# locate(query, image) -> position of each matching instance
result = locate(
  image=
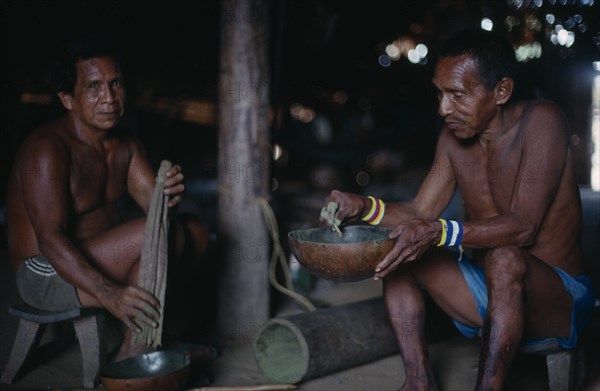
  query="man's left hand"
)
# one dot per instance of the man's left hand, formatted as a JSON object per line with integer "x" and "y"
{"x": 413, "y": 238}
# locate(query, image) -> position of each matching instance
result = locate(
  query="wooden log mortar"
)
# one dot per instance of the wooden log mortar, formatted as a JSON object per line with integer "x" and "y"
{"x": 303, "y": 346}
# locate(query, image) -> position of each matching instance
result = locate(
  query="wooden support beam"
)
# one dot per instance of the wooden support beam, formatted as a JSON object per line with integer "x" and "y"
{"x": 244, "y": 167}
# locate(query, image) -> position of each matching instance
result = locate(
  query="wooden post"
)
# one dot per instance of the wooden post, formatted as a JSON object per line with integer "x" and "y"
{"x": 244, "y": 168}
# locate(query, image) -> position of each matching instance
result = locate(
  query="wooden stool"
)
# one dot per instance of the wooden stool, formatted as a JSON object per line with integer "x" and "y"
{"x": 88, "y": 328}
{"x": 566, "y": 368}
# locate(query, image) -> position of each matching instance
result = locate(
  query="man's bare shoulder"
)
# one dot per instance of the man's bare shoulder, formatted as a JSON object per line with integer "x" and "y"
{"x": 45, "y": 142}
{"x": 541, "y": 112}
{"x": 540, "y": 122}
{"x": 542, "y": 107}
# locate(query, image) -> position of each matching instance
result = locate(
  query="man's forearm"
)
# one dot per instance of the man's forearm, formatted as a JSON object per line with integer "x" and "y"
{"x": 501, "y": 230}
{"x": 398, "y": 213}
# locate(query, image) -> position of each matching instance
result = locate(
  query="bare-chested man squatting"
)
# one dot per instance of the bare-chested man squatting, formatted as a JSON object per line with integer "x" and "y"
{"x": 519, "y": 280}
{"x": 68, "y": 243}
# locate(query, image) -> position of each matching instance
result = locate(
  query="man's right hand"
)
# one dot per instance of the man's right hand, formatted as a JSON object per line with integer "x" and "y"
{"x": 350, "y": 206}
{"x": 132, "y": 305}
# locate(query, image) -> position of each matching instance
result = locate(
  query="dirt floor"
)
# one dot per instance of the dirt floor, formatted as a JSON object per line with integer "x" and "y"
{"x": 454, "y": 358}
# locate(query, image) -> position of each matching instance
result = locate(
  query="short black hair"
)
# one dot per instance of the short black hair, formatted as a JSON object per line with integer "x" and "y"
{"x": 63, "y": 73}
{"x": 492, "y": 53}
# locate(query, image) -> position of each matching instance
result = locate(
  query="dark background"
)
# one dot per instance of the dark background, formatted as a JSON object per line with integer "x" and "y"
{"x": 382, "y": 125}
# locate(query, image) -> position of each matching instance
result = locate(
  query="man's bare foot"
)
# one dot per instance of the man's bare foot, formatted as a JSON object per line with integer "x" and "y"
{"x": 423, "y": 387}
{"x": 417, "y": 383}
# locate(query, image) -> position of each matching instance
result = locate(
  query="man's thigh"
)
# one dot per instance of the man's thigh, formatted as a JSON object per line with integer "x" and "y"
{"x": 547, "y": 303}
{"x": 117, "y": 250}
{"x": 439, "y": 274}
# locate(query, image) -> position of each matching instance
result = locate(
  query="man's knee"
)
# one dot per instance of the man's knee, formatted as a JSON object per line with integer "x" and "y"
{"x": 135, "y": 238}
{"x": 425, "y": 271}
{"x": 190, "y": 236}
{"x": 505, "y": 266}
{"x": 403, "y": 276}
{"x": 138, "y": 227}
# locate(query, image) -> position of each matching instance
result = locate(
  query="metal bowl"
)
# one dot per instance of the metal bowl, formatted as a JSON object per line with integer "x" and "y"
{"x": 352, "y": 257}
{"x": 162, "y": 370}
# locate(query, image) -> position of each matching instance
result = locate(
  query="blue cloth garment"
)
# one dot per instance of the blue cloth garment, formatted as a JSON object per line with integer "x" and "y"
{"x": 579, "y": 287}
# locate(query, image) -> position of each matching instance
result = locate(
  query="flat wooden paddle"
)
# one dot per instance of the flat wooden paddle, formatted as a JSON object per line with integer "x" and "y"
{"x": 264, "y": 387}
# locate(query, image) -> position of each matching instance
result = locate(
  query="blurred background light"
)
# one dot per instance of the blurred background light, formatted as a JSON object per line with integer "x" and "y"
{"x": 403, "y": 47}
{"x": 422, "y": 50}
{"x": 340, "y": 97}
{"x": 528, "y": 51}
{"x": 277, "y": 151}
{"x": 510, "y": 22}
{"x": 392, "y": 51}
{"x": 562, "y": 36}
{"x": 384, "y": 60}
{"x": 362, "y": 178}
{"x": 413, "y": 56}
{"x": 487, "y": 24}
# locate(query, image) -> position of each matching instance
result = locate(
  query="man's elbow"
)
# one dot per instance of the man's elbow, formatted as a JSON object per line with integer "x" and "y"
{"x": 46, "y": 243}
{"x": 48, "y": 240}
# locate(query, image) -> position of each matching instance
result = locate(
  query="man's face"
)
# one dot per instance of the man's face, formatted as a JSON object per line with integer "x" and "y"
{"x": 464, "y": 102}
{"x": 99, "y": 96}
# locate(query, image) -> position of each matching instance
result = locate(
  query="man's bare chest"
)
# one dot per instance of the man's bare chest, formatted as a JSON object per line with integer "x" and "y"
{"x": 487, "y": 181}
{"x": 97, "y": 178}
